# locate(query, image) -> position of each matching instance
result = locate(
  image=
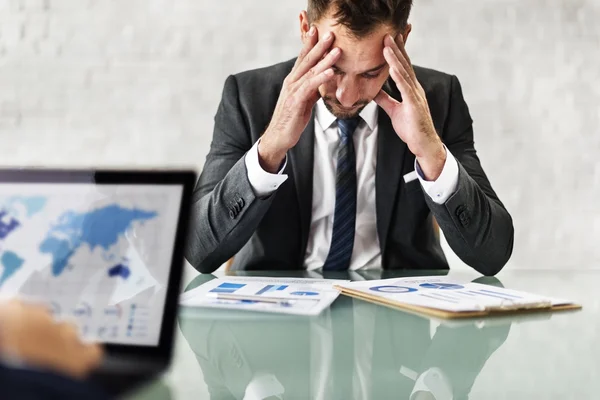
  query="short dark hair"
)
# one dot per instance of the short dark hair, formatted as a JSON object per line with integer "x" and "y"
{"x": 361, "y": 17}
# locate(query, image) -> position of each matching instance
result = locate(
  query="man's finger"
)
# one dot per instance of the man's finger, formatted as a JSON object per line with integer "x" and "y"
{"x": 399, "y": 42}
{"x": 326, "y": 62}
{"x": 397, "y": 47}
{"x": 399, "y": 74}
{"x": 308, "y": 45}
{"x": 309, "y": 88}
{"x": 408, "y": 65}
{"x": 313, "y": 57}
{"x": 386, "y": 102}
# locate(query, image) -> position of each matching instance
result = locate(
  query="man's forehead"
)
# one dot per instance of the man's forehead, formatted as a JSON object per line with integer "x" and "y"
{"x": 360, "y": 55}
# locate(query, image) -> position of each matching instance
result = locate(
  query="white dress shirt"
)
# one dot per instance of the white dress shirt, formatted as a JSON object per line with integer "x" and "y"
{"x": 366, "y": 252}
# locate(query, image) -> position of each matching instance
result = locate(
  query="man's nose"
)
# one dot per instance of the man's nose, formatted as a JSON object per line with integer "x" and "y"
{"x": 347, "y": 92}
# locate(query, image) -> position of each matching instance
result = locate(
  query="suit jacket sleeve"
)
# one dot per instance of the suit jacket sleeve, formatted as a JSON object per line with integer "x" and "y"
{"x": 475, "y": 223}
{"x": 225, "y": 209}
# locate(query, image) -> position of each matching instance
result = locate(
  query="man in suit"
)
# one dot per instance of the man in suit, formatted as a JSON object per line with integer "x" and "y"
{"x": 342, "y": 158}
{"x": 44, "y": 359}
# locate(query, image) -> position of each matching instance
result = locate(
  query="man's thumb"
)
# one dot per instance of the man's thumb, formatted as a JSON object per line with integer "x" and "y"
{"x": 385, "y": 101}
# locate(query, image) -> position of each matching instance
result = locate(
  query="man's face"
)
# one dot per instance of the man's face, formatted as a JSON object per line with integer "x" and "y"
{"x": 360, "y": 72}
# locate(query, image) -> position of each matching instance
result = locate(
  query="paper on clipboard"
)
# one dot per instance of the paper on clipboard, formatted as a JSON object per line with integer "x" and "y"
{"x": 447, "y": 298}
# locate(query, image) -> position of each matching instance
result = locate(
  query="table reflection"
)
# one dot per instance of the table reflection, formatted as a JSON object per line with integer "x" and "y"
{"x": 353, "y": 350}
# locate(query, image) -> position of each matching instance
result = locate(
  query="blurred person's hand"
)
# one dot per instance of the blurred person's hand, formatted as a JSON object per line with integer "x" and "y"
{"x": 30, "y": 333}
{"x": 297, "y": 98}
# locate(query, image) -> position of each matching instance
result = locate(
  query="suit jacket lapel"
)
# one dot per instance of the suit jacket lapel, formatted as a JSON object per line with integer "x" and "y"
{"x": 302, "y": 159}
{"x": 391, "y": 152}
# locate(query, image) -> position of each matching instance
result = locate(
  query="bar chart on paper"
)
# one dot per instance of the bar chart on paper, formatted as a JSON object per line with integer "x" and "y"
{"x": 272, "y": 288}
{"x": 275, "y": 295}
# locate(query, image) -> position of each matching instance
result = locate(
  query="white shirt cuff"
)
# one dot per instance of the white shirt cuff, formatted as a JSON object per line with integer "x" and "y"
{"x": 433, "y": 381}
{"x": 441, "y": 189}
{"x": 263, "y": 386}
{"x": 263, "y": 183}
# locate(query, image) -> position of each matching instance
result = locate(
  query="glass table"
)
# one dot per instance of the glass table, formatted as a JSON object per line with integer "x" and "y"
{"x": 358, "y": 350}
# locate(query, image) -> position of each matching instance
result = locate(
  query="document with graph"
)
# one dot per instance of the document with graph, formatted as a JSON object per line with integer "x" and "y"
{"x": 299, "y": 296}
{"x": 448, "y": 298}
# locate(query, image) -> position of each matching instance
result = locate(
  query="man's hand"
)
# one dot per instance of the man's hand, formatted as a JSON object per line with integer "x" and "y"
{"x": 411, "y": 118}
{"x": 297, "y": 98}
{"x": 30, "y": 333}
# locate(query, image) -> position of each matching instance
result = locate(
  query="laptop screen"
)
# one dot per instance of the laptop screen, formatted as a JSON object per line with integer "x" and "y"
{"x": 99, "y": 255}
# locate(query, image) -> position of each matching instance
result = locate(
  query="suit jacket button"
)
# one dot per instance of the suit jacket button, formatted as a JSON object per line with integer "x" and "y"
{"x": 462, "y": 212}
{"x": 232, "y": 214}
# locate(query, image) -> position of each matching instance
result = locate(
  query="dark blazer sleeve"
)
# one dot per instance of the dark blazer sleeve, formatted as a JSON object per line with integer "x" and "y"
{"x": 225, "y": 209}
{"x": 24, "y": 384}
{"x": 475, "y": 223}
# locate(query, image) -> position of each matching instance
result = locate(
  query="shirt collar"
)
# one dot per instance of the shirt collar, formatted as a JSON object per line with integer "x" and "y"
{"x": 325, "y": 118}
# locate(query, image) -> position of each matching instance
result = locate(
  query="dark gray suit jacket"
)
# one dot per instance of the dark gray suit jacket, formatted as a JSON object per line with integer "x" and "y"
{"x": 272, "y": 233}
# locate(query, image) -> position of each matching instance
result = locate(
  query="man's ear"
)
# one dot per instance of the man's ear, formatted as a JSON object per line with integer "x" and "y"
{"x": 406, "y": 32}
{"x": 304, "y": 25}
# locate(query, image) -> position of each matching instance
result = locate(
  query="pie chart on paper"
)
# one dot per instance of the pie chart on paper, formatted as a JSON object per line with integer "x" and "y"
{"x": 442, "y": 286}
{"x": 393, "y": 289}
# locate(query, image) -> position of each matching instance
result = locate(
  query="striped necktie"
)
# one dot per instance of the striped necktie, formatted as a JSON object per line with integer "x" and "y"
{"x": 344, "y": 217}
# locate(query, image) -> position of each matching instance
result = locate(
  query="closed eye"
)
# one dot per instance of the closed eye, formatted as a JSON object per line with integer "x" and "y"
{"x": 371, "y": 75}
{"x": 337, "y": 71}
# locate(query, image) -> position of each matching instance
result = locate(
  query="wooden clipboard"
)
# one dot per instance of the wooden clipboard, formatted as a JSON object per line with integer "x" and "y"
{"x": 443, "y": 314}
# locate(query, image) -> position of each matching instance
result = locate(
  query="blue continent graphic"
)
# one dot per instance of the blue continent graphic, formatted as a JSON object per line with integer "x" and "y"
{"x": 33, "y": 204}
{"x": 11, "y": 219}
{"x": 98, "y": 228}
{"x": 9, "y": 216}
{"x": 7, "y": 224}
{"x": 11, "y": 263}
{"x": 119, "y": 270}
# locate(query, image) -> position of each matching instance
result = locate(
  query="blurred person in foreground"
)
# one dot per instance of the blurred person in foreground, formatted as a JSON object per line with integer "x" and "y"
{"x": 343, "y": 157}
{"x": 43, "y": 359}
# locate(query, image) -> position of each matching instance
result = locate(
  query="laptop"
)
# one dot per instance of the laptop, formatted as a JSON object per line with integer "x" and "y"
{"x": 104, "y": 249}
